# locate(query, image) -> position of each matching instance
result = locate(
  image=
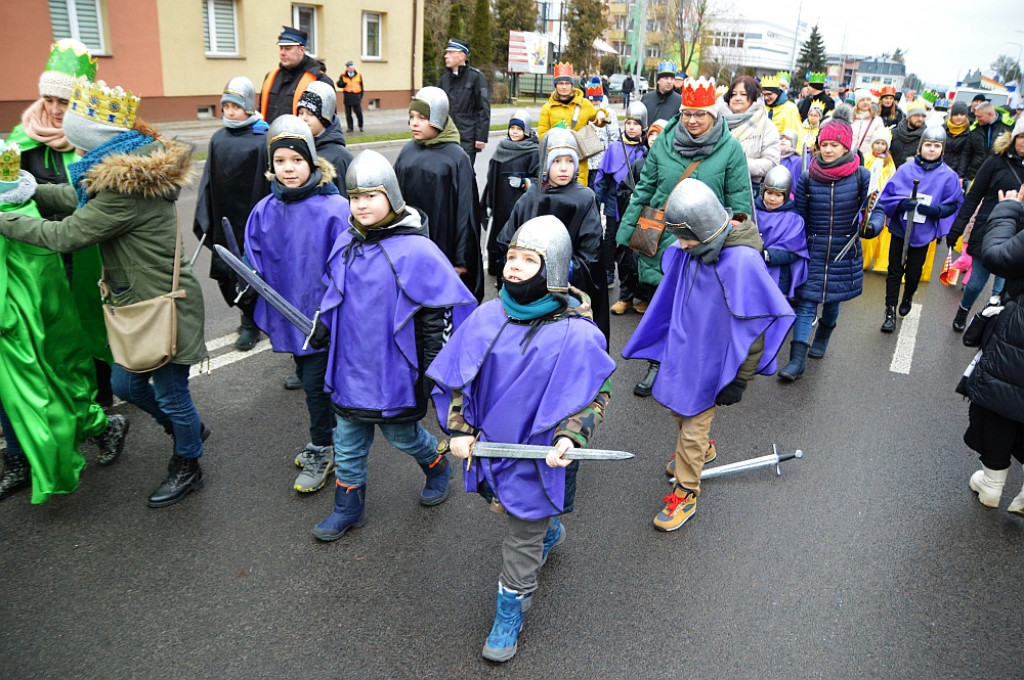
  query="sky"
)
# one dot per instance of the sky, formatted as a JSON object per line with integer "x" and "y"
{"x": 942, "y": 39}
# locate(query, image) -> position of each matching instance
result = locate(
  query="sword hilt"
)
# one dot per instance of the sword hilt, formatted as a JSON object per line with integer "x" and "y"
{"x": 783, "y": 457}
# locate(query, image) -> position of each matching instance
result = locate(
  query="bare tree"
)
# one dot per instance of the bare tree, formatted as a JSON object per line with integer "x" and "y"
{"x": 692, "y": 21}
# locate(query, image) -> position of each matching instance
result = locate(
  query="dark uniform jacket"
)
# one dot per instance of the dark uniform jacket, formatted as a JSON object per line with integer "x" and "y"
{"x": 469, "y": 104}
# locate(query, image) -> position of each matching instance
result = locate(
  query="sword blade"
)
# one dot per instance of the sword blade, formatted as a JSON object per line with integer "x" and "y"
{"x": 199, "y": 246}
{"x": 273, "y": 298}
{"x": 499, "y": 450}
{"x": 751, "y": 464}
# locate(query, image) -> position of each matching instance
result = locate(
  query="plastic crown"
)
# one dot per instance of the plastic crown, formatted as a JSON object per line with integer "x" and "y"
{"x": 563, "y": 69}
{"x": 666, "y": 66}
{"x": 816, "y": 77}
{"x": 784, "y": 77}
{"x": 72, "y": 58}
{"x": 10, "y": 162}
{"x": 929, "y": 96}
{"x": 771, "y": 81}
{"x": 97, "y": 102}
{"x": 595, "y": 89}
{"x": 699, "y": 94}
{"x": 888, "y": 89}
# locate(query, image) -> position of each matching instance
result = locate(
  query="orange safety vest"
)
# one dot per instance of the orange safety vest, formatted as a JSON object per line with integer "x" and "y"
{"x": 353, "y": 85}
{"x": 300, "y": 87}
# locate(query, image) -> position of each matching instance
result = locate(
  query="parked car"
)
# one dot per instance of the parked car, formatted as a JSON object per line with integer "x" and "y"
{"x": 616, "y": 80}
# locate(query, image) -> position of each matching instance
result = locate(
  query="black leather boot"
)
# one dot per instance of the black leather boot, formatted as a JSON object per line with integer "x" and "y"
{"x": 183, "y": 476}
{"x": 644, "y": 387}
{"x": 16, "y": 475}
{"x": 960, "y": 320}
{"x": 248, "y": 334}
{"x": 889, "y": 325}
{"x": 905, "y": 304}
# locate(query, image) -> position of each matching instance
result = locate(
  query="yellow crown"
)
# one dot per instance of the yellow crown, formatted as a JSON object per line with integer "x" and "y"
{"x": 10, "y": 162}
{"x": 770, "y": 81}
{"x": 102, "y": 104}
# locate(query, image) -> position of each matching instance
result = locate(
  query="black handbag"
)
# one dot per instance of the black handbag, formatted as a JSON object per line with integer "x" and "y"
{"x": 983, "y": 324}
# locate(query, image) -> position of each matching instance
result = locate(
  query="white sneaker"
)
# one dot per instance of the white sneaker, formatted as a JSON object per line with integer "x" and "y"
{"x": 1017, "y": 504}
{"x": 988, "y": 484}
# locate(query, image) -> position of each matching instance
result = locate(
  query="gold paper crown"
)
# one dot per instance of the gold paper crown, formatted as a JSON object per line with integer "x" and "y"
{"x": 699, "y": 94}
{"x": 102, "y": 104}
{"x": 770, "y": 81}
{"x": 563, "y": 69}
{"x": 819, "y": 105}
{"x": 10, "y": 162}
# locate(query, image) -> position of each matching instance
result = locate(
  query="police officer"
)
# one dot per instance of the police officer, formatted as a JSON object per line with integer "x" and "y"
{"x": 469, "y": 100}
{"x": 352, "y": 85}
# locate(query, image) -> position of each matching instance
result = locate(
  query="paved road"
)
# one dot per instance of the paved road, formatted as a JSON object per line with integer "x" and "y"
{"x": 869, "y": 558}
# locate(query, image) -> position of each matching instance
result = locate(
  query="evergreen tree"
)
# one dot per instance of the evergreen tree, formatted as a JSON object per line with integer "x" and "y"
{"x": 511, "y": 15}
{"x": 456, "y": 24}
{"x": 812, "y": 55}
{"x": 584, "y": 21}
{"x": 481, "y": 43}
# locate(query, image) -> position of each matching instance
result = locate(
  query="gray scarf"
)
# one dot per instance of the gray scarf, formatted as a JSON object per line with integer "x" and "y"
{"x": 688, "y": 147}
{"x": 235, "y": 124}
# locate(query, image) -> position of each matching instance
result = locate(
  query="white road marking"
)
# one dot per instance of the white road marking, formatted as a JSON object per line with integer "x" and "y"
{"x": 904, "y": 354}
{"x": 227, "y": 358}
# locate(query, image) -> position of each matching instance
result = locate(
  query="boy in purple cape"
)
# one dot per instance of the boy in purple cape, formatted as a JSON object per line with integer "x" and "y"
{"x": 392, "y": 298}
{"x": 530, "y": 368}
{"x": 287, "y": 240}
{"x": 782, "y": 230}
{"x": 934, "y": 211}
{"x": 716, "y": 320}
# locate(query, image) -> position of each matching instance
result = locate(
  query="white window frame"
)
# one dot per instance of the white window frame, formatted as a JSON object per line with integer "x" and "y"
{"x": 211, "y": 27}
{"x": 380, "y": 36}
{"x": 312, "y": 43}
{"x": 72, "y": 9}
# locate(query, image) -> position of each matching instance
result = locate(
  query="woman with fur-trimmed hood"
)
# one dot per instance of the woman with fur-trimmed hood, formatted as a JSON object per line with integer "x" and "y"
{"x": 122, "y": 197}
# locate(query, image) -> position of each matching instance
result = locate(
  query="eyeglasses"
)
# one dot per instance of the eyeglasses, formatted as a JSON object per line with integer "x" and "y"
{"x": 694, "y": 115}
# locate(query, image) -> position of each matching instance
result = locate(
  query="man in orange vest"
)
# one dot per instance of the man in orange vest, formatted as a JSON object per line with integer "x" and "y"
{"x": 283, "y": 87}
{"x": 352, "y": 85}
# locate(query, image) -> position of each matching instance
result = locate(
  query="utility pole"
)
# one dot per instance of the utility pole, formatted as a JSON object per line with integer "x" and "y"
{"x": 796, "y": 38}
{"x": 641, "y": 57}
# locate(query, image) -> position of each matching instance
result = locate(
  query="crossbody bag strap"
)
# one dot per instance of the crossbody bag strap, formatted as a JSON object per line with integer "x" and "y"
{"x": 686, "y": 173}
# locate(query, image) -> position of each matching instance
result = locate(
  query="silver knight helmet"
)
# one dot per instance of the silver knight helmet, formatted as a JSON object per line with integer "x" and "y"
{"x": 778, "y": 179}
{"x": 933, "y": 133}
{"x": 637, "y": 112}
{"x": 557, "y": 142}
{"x": 328, "y": 99}
{"x": 240, "y": 91}
{"x": 437, "y": 101}
{"x": 693, "y": 211}
{"x": 521, "y": 117}
{"x": 291, "y": 127}
{"x": 370, "y": 171}
{"x": 548, "y": 237}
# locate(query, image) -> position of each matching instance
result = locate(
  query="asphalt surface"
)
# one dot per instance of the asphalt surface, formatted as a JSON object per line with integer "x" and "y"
{"x": 868, "y": 558}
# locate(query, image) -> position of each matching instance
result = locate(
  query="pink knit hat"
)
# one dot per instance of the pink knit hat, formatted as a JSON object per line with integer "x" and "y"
{"x": 838, "y": 128}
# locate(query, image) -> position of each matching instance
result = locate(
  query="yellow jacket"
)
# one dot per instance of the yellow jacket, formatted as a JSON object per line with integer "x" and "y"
{"x": 556, "y": 111}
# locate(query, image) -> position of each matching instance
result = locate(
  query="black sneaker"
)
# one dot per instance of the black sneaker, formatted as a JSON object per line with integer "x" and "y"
{"x": 111, "y": 440}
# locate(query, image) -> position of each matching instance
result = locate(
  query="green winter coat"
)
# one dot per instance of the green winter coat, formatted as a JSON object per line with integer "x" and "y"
{"x": 47, "y": 378}
{"x": 130, "y": 214}
{"x": 724, "y": 171}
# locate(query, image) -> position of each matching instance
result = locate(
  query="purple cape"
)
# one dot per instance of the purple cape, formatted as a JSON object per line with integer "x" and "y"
{"x": 374, "y": 289}
{"x": 288, "y": 245}
{"x": 519, "y": 397}
{"x": 784, "y": 229}
{"x": 703, "y": 320}
{"x": 942, "y": 184}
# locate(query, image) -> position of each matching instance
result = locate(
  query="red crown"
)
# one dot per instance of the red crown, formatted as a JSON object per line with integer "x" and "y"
{"x": 699, "y": 94}
{"x": 563, "y": 69}
{"x": 594, "y": 89}
{"x": 888, "y": 89}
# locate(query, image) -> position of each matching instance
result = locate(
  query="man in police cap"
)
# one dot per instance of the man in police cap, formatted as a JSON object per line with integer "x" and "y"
{"x": 283, "y": 86}
{"x": 469, "y": 98}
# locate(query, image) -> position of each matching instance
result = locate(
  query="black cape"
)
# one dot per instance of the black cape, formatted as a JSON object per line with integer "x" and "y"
{"x": 500, "y": 195}
{"x": 331, "y": 146}
{"x": 233, "y": 182}
{"x": 439, "y": 180}
{"x": 576, "y": 207}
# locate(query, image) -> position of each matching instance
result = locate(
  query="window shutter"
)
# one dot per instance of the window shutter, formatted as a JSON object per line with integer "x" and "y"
{"x": 224, "y": 23}
{"x": 206, "y": 25}
{"x": 89, "y": 30}
{"x": 59, "y": 20}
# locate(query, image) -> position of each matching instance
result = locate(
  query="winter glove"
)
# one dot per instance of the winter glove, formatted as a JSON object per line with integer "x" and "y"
{"x": 947, "y": 209}
{"x": 930, "y": 210}
{"x": 951, "y": 240}
{"x": 321, "y": 337}
{"x": 731, "y": 393}
{"x": 906, "y": 205}
{"x": 875, "y": 224}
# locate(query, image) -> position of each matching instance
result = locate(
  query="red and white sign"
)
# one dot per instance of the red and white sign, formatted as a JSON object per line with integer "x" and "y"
{"x": 527, "y": 52}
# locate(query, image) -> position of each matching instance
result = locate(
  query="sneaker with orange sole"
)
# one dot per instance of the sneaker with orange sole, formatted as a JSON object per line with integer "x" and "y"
{"x": 679, "y": 507}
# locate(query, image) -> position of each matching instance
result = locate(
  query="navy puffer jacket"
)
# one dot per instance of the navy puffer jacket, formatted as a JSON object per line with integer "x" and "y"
{"x": 829, "y": 210}
{"x": 997, "y": 382}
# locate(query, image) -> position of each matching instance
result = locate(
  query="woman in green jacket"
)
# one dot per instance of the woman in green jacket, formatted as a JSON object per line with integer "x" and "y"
{"x": 697, "y": 135}
{"x": 122, "y": 197}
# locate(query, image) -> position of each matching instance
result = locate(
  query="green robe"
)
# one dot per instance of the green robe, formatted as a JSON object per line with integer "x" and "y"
{"x": 47, "y": 377}
{"x": 87, "y": 269}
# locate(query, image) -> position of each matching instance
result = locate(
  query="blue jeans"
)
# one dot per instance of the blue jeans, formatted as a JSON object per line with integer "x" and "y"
{"x": 164, "y": 394}
{"x": 979, "y": 277}
{"x": 806, "y": 311}
{"x": 13, "y": 447}
{"x": 352, "y": 443}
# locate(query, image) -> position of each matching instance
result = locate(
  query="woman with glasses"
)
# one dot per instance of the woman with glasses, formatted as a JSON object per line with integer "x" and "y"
{"x": 696, "y": 143}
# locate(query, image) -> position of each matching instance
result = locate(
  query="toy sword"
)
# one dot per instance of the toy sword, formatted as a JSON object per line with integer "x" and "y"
{"x": 499, "y": 450}
{"x": 771, "y": 459}
{"x": 192, "y": 260}
{"x": 273, "y": 298}
{"x": 229, "y": 238}
{"x": 908, "y": 229}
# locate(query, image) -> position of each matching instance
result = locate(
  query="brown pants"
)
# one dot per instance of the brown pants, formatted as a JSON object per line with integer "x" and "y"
{"x": 691, "y": 448}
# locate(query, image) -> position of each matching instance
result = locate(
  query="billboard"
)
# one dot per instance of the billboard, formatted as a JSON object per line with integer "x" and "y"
{"x": 527, "y": 52}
